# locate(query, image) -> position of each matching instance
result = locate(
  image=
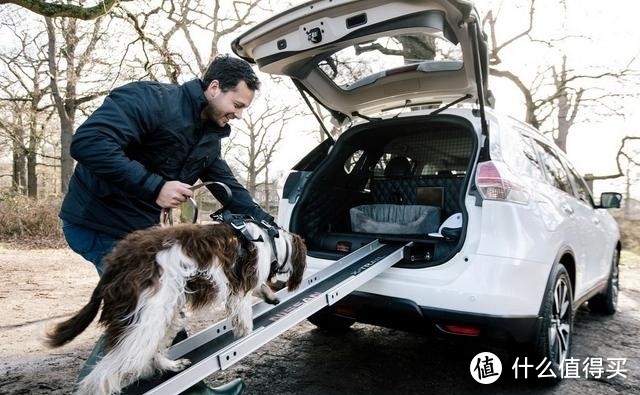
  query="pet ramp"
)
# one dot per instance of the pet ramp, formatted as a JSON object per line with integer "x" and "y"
{"x": 215, "y": 349}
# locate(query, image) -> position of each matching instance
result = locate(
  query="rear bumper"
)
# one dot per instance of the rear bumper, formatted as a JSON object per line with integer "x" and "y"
{"x": 407, "y": 315}
{"x": 471, "y": 284}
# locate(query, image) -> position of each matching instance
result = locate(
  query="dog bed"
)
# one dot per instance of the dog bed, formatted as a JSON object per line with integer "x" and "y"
{"x": 394, "y": 219}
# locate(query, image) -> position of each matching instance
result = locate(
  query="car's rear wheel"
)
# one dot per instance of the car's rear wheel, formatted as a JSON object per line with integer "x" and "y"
{"x": 326, "y": 320}
{"x": 606, "y": 303}
{"x": 553, "y": 343}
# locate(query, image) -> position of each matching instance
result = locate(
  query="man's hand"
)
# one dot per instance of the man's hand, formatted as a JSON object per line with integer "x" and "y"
{"x": 173, "y": 193}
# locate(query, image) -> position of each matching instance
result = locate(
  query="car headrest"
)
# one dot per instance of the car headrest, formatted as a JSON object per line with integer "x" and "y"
{"x": 398, "y": 166}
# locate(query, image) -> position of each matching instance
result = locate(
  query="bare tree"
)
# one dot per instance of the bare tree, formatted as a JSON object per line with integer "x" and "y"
{"x": 257, "y": 140}
{"x": 628, "y": 156}
{"x": 12, "y": 131}
{"x": 175, "y": 38}
{"x": 348, "y": 66}
{"x": 559, "y": 92}
{"x": 23, "y": 86}
{"x": 67, "y": 63}
{"x": 412, "y": 47}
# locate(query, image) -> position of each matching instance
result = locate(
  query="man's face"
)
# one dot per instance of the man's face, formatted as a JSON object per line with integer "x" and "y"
{"x": 225, "y": 106}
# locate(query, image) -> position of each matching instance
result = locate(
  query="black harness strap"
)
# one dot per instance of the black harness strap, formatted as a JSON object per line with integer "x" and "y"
{"x": 239, "y": 224}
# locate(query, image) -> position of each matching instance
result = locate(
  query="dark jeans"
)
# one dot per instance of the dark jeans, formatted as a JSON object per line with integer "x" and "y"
{"x": 90, "y": 244}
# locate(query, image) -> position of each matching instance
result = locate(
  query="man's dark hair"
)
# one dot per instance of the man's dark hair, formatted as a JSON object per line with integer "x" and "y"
{"x": 229, "y": 72}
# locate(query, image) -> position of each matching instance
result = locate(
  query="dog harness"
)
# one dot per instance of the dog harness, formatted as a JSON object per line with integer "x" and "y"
{"x": 239, "y": 224}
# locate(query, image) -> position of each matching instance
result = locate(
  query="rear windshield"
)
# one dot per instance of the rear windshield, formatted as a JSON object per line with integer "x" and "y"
{"x": 364, "y": 62}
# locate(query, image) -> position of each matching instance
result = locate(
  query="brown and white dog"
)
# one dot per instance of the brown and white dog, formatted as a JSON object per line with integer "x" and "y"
{"x": 152, "y": 274}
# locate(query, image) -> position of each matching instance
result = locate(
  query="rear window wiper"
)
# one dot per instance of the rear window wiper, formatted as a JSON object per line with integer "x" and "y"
{"x": 453, "y": 103}
{"x": 434, "y": 112}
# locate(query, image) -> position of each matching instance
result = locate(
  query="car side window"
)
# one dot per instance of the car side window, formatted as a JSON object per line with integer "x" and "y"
{"x": 582, "y": 190}
{"x": 556, "y": 174}
{"x": 530, "y": 163}
{"x": 517, "y": 152}
{"x": 352, "y": 160}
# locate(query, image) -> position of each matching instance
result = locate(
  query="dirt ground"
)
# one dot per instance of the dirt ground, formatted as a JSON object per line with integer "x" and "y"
{"x": 42, "y": 286}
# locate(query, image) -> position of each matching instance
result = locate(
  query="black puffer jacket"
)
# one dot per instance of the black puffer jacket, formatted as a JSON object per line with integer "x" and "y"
{"x": 143, "y": 135}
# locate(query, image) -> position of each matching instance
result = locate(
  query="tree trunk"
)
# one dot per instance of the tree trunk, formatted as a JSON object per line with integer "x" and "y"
{"x": 65, "y": 108}
{"x": 267, "y": 203}
{"x": 18, "y": 176}
{"x": 251, "y": 180}
{"x": 563, "y": 124}
{"x": 32, "y": 161}
{"x": 66, "y": 161}
{"x": 627, "y": 200}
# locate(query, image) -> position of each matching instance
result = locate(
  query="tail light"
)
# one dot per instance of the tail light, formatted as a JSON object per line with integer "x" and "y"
{"x": 344, "y": 311}
{"x": 464, "y": 330}
{"x": 496, "y": 182}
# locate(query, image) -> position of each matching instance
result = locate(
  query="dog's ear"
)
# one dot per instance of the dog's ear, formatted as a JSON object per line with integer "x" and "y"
{"x": 298, "y": 262}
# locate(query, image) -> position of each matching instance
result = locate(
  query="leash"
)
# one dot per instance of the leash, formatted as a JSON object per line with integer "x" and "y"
{"x": 166, "y": 216}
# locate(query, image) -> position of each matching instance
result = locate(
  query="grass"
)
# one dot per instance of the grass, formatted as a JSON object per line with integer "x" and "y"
{"x": 29, "y": 223}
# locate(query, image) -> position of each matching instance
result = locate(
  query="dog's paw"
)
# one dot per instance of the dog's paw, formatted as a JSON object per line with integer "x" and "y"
{"x": 274, "y": 301}
{"x": 241, "y": 331}
{"x": 179, "y": 365}
{"x": 163, "y": 364}
{"x": 266, "y": 293}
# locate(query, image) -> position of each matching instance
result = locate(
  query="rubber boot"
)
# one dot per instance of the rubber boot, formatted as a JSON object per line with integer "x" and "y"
{"x": 95, "y": 357}
{"x": 235, "y": 387}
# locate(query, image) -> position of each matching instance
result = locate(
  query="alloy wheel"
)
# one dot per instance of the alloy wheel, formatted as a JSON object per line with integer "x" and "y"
{"x": 560, "y": 328}
{"x": 615, "y": 279}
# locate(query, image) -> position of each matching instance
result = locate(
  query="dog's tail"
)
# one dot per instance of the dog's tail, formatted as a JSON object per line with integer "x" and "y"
{"x": 63, "y": 332}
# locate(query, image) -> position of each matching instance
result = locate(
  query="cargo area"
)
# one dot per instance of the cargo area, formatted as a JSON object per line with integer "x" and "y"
{"x": 392, "y": 180}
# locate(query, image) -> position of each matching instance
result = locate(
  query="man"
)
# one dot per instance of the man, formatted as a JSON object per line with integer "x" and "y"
{"x": 142, "y": 149}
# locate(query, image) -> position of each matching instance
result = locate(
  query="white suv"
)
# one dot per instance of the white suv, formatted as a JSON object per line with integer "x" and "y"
{"x": 503, "y": 236}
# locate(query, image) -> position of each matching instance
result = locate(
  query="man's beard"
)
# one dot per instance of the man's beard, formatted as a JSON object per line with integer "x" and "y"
{"x": 215, "y": 117}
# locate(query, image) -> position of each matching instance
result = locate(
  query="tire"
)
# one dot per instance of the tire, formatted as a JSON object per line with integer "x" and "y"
{"x": 606, "y": 302}
{"x": 553, "y": 342}
{"x": 328, "y": 321}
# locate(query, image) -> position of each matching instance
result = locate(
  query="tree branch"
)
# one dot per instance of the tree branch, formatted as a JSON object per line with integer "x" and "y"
{"x": 620, "y": 154}
{"x": 54, "y": 10}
